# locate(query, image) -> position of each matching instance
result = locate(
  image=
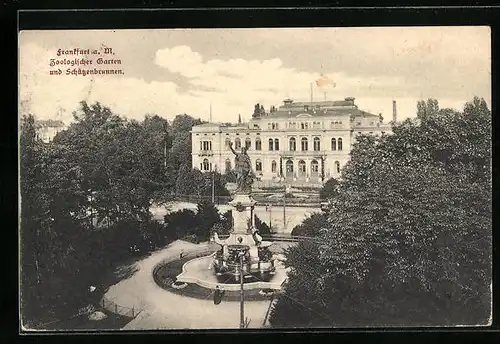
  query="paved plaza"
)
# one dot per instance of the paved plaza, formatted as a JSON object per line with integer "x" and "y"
{"x": 162, "y": 309}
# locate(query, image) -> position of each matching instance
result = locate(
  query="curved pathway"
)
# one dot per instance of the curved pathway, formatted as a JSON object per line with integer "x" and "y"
{"x": 162, "y": 309}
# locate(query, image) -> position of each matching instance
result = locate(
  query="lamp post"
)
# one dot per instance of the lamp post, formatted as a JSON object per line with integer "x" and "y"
{"x": 268, "y": 208}
{"x": 242, "y": 297}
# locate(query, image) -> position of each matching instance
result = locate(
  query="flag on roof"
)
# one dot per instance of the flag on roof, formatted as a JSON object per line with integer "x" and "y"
{"x": 324, "y": 81}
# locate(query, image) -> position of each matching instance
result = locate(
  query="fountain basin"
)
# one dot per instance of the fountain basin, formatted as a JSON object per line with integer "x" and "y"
{"x": 200, "y": 271}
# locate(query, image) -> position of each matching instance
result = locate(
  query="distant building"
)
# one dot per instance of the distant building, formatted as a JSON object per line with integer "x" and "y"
{"x": 48, "y": 129}
{"x": 303, "y": 142}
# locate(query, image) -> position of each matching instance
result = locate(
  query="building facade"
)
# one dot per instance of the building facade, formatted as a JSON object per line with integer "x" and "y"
{"x": 303, "y": 142}
{"x": 48, "y": 129}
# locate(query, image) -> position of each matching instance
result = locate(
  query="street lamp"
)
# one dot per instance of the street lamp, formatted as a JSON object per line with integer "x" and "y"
{"x": 268, "y": 208}
{"x": 242, "y": 297}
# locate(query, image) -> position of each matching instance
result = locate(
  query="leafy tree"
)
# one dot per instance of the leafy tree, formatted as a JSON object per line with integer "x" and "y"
{"x": 206, "y": 216}
{"x": 180, "y": 153}
{"x": 261, "y": 226}
{"x": 427, "y": 109}
{"x": 409, "y": 234}
{"x": 180, "y": 223}
{"x": 312, "y": 225}
{"x": 329, "y": 189}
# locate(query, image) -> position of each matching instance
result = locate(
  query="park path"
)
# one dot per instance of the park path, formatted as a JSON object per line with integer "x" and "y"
{"x": 162, "y": 309}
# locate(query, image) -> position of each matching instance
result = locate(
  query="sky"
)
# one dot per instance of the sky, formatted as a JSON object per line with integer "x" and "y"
{"x": 170, "y": 72}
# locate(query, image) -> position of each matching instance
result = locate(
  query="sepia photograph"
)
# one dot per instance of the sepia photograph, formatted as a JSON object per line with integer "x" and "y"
{"x": 256, "y": 178}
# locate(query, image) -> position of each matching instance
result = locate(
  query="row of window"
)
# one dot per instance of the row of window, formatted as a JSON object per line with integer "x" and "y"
{"x": 303, "y": 125}
{"x": 274, "y": 144}
{"x": 288, "y": 165}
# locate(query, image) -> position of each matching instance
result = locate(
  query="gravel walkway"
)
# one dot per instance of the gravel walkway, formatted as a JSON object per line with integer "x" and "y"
{"x": 165, "y": 310}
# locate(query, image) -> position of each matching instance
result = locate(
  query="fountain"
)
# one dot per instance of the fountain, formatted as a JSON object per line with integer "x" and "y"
{"x": 243, "y": 251}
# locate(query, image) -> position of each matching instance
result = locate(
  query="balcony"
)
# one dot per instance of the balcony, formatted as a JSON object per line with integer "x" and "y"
{"x": 205, "y": 153}
{"x": 308, "y": 153}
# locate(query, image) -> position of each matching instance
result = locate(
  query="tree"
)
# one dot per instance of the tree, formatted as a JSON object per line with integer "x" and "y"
{"x": 329, "y": 189}
{"x": 409, "y": 234}
{"x": 261, "y": 226}
{"x": 427, "y": 109}
{"x": 312, "y": 225}
{"x": 206, "y": 216}
{"x": 180, "y": 223}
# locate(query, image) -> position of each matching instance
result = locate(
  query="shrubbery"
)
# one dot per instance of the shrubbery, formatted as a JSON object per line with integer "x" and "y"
{"x": 408, "y": 240}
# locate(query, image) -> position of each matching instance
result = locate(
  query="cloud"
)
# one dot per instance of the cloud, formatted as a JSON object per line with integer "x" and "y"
{"x": 445, "y": 64}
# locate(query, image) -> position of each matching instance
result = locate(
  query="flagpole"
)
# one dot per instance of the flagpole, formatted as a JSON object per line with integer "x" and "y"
{"x": 311, "y": 93}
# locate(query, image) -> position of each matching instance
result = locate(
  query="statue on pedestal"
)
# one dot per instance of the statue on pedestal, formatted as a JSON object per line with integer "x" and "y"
{"x": 243, "y": 170}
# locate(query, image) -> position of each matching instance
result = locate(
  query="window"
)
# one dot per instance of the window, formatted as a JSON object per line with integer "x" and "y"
{"x": 316, "y": 143}
{"x": 302, "y": 168}
{"x": 273, "y": 167}
{"x": 248, "y": 142}
{"x": 227, "y": 142}
{"x": 271, "y": 144}
{"x": 292, "y": 125}
{"x": 340, "y": 143}
{"x": 237, "y": 143}
{"x": 276, "y": 144}
{"x": 258, "y": 144}
{"x": 317, "y": 125}
{"x": 314, "y": 167}
{"x": 304, "y": 125}
{"x": 228, "y": 165}
{"x": 258, "y": 166}
{"x": 205, "y": 165}
{"x": 337, "y": 166}
{"x": 289, "y": 168}
{"x": 206, "y": 145}
{"x": 293, "y": 146}
{"x": 269, "y": 125}
{"x": 334, "y": 144}
{"x": 306, "y": 108}
{"x": 303, "y": 144}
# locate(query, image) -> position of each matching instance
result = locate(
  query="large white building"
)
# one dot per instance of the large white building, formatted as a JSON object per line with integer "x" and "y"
{"x": 303, "y": 142}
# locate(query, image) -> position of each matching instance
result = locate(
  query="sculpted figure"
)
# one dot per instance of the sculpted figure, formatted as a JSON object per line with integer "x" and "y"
{"x": 243, "y": 169}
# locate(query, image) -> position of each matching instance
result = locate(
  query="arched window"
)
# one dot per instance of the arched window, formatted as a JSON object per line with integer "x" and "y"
{"x": 314, "y": 168}
{"x": 339, "y": 144}
{"x": 273, "y": 167}
{"x": 303, "y": 144}
{"x": 276, "y": 144}
{"x": 334, "y": 144}
{"x": 258, "y": 165}
{"x": 258, "y": 144}
{"x": 237, "y": 143}
{"x": 206, "y": 165}
{"x": 293, "y": 145}
{"x": 289, "y": 168}
{"x": 228, "y": 165}
{"x": 316, "y": 143}
{"x": 248, "y": 142}
{"x": 227, "y": 142}
{"x": 337, "y": 167}
{"x": 271, "y": 144}
{"x": 302, "y": 168}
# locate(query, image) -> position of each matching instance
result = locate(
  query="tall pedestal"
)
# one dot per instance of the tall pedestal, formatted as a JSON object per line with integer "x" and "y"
{"x": 243, "y": 222}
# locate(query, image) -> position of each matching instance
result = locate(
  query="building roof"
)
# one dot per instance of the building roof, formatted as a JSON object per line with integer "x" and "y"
{"x": 345, "y": 107}
{"x": 49, "y": 123}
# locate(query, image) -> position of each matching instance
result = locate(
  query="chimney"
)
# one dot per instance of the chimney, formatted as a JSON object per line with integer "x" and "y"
{"x": 394, "y": 111}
